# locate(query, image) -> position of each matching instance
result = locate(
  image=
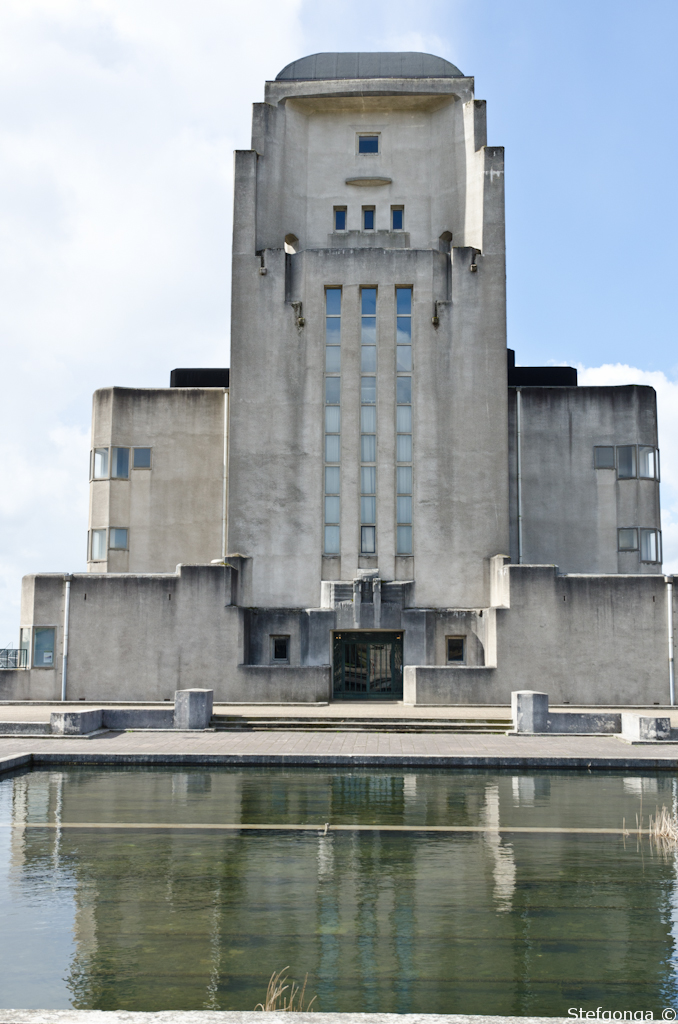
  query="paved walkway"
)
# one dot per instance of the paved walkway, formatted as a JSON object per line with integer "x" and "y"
{"x": 346, "y": 748}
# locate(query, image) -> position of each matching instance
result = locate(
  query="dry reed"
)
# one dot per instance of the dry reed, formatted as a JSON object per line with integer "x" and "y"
{"x": 276, "y": 1000}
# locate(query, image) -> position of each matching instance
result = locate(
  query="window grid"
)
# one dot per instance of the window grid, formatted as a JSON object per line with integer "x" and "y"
{"x": 368, "y": 421}
{"x": 332, "y": 439}
{"x": 403, "y": 421}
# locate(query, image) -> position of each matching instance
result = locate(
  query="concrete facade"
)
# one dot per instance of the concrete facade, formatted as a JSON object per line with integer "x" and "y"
{"x": 410, "y": 491}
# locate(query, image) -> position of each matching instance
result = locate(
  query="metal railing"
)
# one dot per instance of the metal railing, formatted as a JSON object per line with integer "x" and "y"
{"x": 13, "y": 657}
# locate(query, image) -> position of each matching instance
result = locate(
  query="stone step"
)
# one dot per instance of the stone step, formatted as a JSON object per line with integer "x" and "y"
{"x": 231, "y": 723}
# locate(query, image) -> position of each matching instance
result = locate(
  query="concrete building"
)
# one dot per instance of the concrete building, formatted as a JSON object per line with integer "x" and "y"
{"x": 377, "y": 502}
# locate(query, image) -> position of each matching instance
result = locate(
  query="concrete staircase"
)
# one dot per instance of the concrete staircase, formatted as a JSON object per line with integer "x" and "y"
{"x": 284, "y": 723}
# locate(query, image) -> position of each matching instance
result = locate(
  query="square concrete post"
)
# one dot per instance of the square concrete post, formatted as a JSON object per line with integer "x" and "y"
{"x": 193, "y": 708}
{"x": 76, "y": 723}
{"x": 644, "y": 727}
{"x": 530, "y": 710}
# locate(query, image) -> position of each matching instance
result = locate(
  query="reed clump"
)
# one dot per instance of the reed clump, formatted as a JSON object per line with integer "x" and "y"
{"x": 276, "y": 1000}
{"x": 664, "y": 828}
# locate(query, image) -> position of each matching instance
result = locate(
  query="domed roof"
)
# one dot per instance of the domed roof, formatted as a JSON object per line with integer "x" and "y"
{"x": 323, "y": 66}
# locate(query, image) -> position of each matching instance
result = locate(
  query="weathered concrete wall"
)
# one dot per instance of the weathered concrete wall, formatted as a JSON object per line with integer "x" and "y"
{"x": 572, "y": 511}
{"x": 174, "y": 510}
{"x": 581, "y": 639}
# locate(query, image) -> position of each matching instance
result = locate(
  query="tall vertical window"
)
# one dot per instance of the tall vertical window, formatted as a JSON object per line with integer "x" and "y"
{"x": 368, "y": 421}
{"x": 339, "y": 218}
{"x": 397, "y": 218}
{"x": 403, "y": 421}
{"x": 368, "y": 218}
{"x": 332, "y": 419}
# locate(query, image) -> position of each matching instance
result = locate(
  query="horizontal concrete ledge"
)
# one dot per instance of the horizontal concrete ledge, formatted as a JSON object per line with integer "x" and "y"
{"x": 250, "y": 1017}
{"x": 457, "y": 762}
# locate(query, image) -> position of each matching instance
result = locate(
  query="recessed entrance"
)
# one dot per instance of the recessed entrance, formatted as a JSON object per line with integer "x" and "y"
{"x": 368, "y": 666}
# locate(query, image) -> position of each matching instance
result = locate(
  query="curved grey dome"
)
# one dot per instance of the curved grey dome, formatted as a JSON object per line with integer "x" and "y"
{"x": 321, "y": 66}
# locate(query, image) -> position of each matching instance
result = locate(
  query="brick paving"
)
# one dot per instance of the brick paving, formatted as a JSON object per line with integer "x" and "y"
{"x": 318, "y": 747}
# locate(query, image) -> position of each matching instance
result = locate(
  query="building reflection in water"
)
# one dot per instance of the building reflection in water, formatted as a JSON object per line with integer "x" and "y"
{"x": 391, "y": 921}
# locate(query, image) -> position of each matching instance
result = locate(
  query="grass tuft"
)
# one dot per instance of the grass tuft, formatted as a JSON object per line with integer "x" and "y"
{"x": 276, "y": 1000}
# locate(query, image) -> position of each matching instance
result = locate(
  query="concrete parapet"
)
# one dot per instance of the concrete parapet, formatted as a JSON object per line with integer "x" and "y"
{"x": 25, "y": 728}
{"x": 138, "y": 718}
{"x": 193, "y": 708}
{"x": 644, "y": 727}
{"x": 76, "y": 723}
{"x": 443, "y": 684}
{"x": 578, "y": 722}
{"x": 530, "y": 711}
{"x": 257, "y": 684}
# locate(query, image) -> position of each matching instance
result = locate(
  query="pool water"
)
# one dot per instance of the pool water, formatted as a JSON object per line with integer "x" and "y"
{"x": 100, "y": 913}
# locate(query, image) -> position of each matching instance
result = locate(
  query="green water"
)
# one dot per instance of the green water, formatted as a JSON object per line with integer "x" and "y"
{"x": 479, "y": 922}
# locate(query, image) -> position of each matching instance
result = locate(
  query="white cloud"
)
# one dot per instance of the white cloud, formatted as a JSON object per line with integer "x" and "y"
{"x": 667, "y": 412}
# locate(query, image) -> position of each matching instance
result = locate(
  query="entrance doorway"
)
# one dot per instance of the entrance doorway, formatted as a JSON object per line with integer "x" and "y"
{"x": 368, "y": 666}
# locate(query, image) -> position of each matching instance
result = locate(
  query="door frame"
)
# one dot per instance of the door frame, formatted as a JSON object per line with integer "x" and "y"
{"x": 342, "y": 636}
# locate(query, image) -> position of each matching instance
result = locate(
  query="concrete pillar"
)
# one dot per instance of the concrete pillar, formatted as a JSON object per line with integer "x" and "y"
{"x": 530, "y": 710}
{"x": 193, "y": 708}
{"x": 644, "y": 727}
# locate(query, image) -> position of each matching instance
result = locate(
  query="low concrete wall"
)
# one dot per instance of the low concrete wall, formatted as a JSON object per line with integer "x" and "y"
{"x": 442, "y": 684}
{"x": 646, "y": 728}
{"x": 25, "y": 728}
{"x": 573, "y": 721}
{"x": 29, "y": 684}
{"x": 76, "y": 723}
{"x": 255, "y": 684}
{"x": 138, "y": 718}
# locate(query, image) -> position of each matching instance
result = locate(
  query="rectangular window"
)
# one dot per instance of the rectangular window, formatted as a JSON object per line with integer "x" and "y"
{"x": 332, "y": 503}
{"x": 626, "y": 461}
{"x": 332, "y": 479}
{"x": 331, "y": 540}
{"x": 367, "y": 540}
{"x": 280, "y": 649}
{"x": 368, "y": 218}
{"x": 404, "y": 419}
{"x": 142, "y": 458}
{"x": 650, "y": 546}
{"x": 332, "y": 508}
{"x": 368, "y": 448}
{"x": 25, "y": 642}
{"x": 404, "y": 448}
{"x": 603, "y": 456}
{"x": 98, "y": 553}
{"x": 368, "y": 510}
{"x": 404, "y": 509}
{"x": 404, "y": 390}
{"x": 43, "y": 647}
{"x": 455, "y": 649}
{"x": 118, "y": 539}
{"x": 397, "y": 218}
{"x": 368, "y": 419}
{"x": 647, "y": 462}
{"x": 368, "y": 390}
{"x": 119, "y": 463}
{"x": 339, "y": 218}
{"x": 368, "y": 143}
{"x": 628, "y": 539}
{"x": 100, "y": 463}
{"x": 404, "y": 540}
{"x": 404, "y": 479}
{"x": 368, "y": 479}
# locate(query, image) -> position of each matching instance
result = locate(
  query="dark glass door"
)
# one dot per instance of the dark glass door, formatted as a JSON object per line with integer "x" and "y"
{"x": 368, "y": 666}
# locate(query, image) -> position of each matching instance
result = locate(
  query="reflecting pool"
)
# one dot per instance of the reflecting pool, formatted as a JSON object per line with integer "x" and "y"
{"x": 123, "y": 889}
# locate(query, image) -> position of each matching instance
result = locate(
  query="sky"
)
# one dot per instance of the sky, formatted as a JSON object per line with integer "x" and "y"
{"x": 118, "y": 119}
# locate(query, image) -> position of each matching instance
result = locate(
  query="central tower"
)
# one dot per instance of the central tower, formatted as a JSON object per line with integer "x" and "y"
{"x": 369, "y": 398}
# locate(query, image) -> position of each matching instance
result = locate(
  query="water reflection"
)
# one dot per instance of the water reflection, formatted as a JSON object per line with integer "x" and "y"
{"x": 402, "y": 921}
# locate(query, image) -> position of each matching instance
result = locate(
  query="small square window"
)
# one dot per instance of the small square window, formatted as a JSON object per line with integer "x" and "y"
{"x": 628, "y": 539}
{"x": 368, "y": 218}
{"x": 368, "y": 143}
{"x": 603, "y": 456}
{"x": 626, "y": 461}
{"x": 142, "y": 458}
{"x": 118, "y": 539}
{"x": 100, "y": 463}
{"x": 339, "y": 218}
{"x": 368, "y": 540}
{"x": 455, "y": 649}
{"x": 98, "y": 553}
{"x": 397, "y": 218}
{"x": 280, "y": 648}
{"x": 119, "y": 463}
